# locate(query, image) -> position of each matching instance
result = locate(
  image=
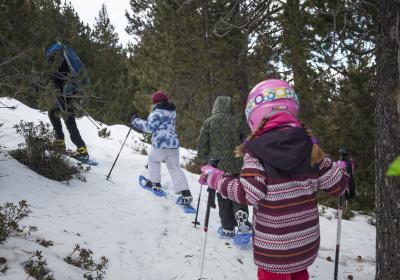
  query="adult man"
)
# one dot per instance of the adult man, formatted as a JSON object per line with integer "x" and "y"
{"x": 65, "y": 79}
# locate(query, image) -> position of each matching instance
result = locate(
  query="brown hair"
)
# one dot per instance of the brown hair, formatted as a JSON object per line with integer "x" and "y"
{"x": 239, "y": 150}
{"x": 317, "y": 153}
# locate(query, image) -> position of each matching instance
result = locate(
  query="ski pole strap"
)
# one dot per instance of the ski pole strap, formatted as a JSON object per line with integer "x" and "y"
{"x": 211, "y": 198}
{"x": 351, "y": 193}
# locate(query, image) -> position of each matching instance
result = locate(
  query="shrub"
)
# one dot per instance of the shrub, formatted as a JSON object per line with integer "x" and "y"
{"x": 36, "y": 267}
{"x": 3, "y": 265}
{"x": 44, "y": 242}
{"x": 104, "y": 133}
{"x": 41, "y": 155}
{"x": 37, "y": 140}
{"x": 10, "y": 216}
{"x": 82, "y": 258}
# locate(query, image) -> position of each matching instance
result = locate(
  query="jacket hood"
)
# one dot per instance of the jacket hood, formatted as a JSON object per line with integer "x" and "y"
{"x": 164, "y": 106}
{"x": 284, "y": 149}
{"x": 222, "y": 105}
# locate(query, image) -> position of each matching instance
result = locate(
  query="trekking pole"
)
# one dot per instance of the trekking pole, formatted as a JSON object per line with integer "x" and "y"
{"x": 109, "y": 173}
{"x": 338, "y": 235}
{"x": 342, "y": 205}
{"x": 197, "y": 210}
{"x": 210, "y": 204}
{"x": 96, "y": 124}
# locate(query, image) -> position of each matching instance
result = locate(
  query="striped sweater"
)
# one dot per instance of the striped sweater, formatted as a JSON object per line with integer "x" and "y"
{"x": 286, "y": 221}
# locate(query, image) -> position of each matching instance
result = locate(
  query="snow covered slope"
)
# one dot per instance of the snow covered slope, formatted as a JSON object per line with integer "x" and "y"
{"x": 144, "y": 236}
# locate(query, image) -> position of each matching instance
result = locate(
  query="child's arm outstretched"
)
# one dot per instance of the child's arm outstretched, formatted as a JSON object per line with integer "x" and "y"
{"x": 333, "y": 177}
{"x": 149, "y": 126}
{"x": 248, "y": 189}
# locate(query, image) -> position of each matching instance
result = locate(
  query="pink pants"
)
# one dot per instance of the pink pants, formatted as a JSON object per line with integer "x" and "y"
{"x": 265, "y": 275}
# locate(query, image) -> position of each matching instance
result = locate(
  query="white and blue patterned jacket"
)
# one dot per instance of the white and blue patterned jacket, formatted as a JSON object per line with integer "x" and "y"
{"x": 161, "y": 123}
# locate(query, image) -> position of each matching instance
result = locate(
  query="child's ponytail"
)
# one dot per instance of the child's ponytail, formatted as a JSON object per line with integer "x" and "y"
{"x": 317, "y": 154}
{"x": 239, "y": 150}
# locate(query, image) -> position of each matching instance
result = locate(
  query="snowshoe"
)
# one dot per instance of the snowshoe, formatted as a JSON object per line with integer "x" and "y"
{"x": 82, "y": 155}
{"x": 244, "y": 233}
{"x": 154, "y": 188}
{"x": 226, "y": 234}
{"x": 184, "y": 200}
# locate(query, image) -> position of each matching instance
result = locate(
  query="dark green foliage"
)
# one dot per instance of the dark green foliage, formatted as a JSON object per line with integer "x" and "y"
{"x": 179, "y": 52}
{"x": 10, "y": 217}
{"x": 44, "y": 242}
{"x": 104, "y": 133}
{"x": 41, "y": 155}
{"x": 194, "y": 165}
{"x": 36, "y": 267}
{"x": 25, "y": 73}
{"x": 82, "y": 258}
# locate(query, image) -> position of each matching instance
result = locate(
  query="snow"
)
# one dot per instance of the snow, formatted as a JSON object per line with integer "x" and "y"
{"x": 144, "y": 236}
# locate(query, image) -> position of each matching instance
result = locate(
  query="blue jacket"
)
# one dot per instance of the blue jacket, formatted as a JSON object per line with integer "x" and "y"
{"x": 161, "y": 123}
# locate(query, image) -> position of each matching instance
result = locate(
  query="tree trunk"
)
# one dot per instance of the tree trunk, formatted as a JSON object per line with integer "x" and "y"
{"x": 297, "y": 53}
{"x": 209, "y": 72}
{"x": 387, "y": 142}
{"x": 241, "y": 48}
{"x": 242, "y": 77}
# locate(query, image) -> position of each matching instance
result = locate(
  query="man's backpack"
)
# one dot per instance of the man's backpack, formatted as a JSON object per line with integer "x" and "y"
{"x": 74, "y": 62}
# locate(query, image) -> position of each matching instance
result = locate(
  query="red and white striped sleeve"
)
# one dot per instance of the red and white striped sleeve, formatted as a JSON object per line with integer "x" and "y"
{"x": 250, "y": 187}
{"x": 332, "y": 178}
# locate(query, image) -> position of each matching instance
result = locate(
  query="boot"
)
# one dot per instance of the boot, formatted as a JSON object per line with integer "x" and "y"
{"x": 81, "y": 153}
{"x": 242, "y": 219}
{"x": 156, "y": 187}
{"x": 185, "y": 198}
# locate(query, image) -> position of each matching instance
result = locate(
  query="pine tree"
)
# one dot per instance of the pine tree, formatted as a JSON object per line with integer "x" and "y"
{"x": 111, "y": 82}
{"x": 104, "y": 32}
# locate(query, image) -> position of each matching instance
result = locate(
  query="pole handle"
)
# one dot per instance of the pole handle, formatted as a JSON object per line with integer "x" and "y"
{"x": 345, "y": 156}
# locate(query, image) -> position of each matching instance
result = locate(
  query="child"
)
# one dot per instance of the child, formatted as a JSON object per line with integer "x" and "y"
{"x": 219, "y": 136}
{"x": 161, "y": 123}
{"x": 283, "y": 168}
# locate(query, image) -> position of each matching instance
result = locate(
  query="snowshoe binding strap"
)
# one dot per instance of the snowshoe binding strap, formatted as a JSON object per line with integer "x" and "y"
{"x": 226, "y": 234}
{"x": 156, "y": 187}
{"x": 184, "y": 200}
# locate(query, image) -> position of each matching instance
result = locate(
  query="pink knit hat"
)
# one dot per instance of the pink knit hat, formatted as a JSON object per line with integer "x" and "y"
{"x": 159, "y": 96}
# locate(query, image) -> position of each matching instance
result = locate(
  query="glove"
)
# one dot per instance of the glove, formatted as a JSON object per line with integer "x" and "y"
{"x": 342, "y": 164}
{"x": 210, "y": 176}
{"x": 134, "y": 116}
